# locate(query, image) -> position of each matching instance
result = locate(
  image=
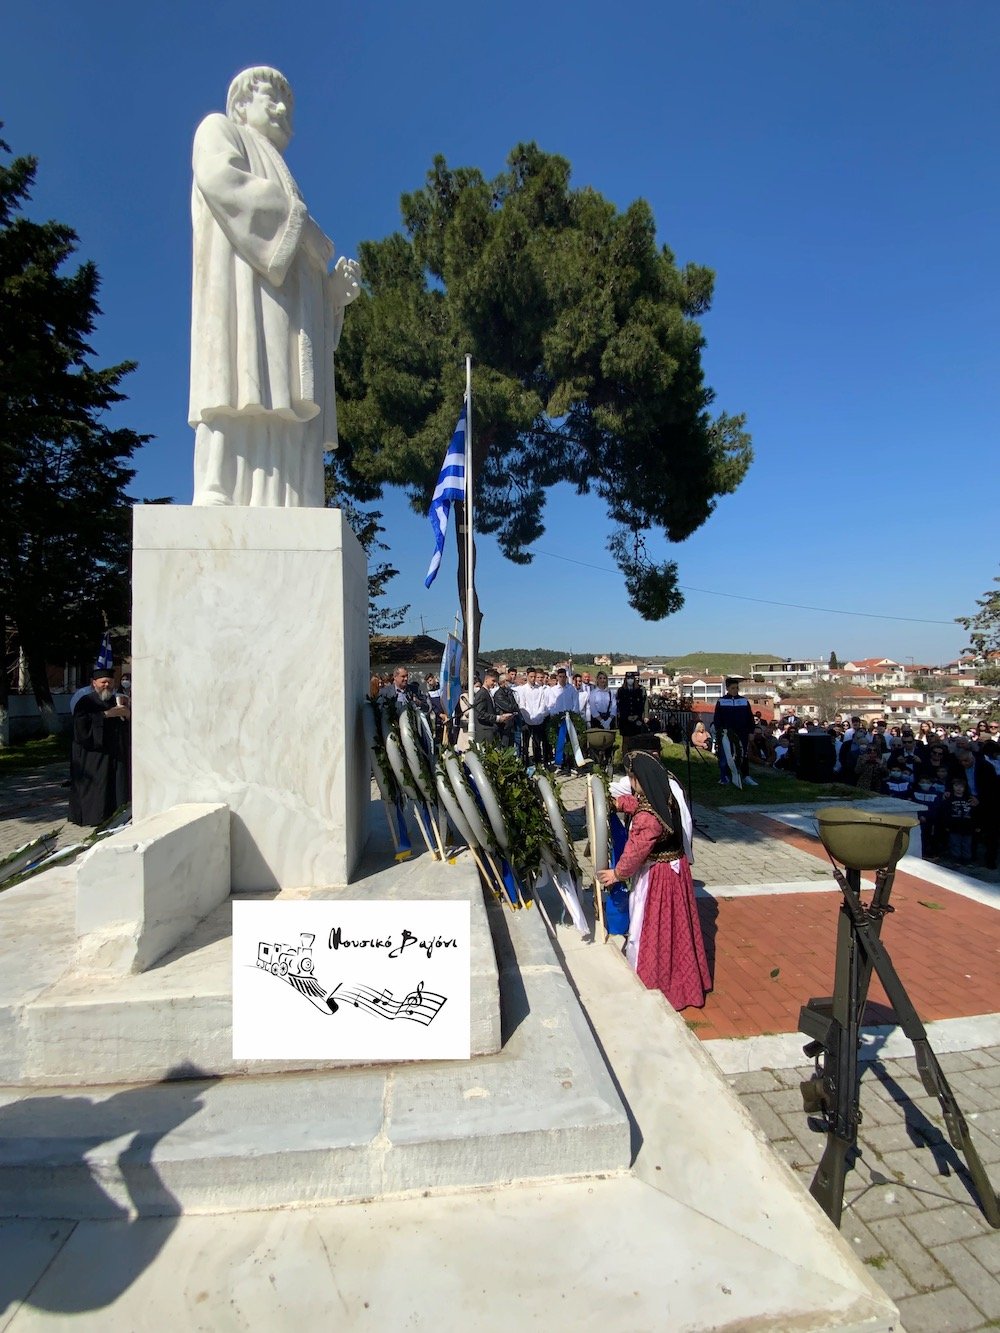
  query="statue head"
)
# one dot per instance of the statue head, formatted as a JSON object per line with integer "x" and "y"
{"x": 261, "y": 97}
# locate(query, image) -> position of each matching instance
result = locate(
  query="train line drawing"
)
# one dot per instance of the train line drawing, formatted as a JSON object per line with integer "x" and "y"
{"x": 294, "y": 964}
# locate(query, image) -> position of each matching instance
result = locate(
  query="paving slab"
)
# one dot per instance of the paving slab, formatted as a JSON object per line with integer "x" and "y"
{"x": 36, "y": 801}
{"x": 27, "y": 1248}
{"x": 934, "y": 1253}
{"x": 604, "y": 1255}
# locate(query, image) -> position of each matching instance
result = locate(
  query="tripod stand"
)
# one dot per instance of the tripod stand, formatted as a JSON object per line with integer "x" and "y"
{"x": 682, "y": 719}
{"x": 834, "y": 1090}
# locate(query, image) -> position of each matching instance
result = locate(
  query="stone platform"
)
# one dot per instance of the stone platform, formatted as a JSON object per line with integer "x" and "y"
{"x": 544, "y": 1106}
{"x": 267, "y": 609}
{"x": 708, "y": 1230}
{"x": 63, "y": 1025}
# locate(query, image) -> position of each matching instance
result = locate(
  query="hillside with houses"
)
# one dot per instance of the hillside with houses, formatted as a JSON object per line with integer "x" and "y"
{"x": 869, "y": 687}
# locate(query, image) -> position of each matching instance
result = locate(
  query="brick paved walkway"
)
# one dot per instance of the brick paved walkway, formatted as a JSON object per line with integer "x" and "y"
{"x": 908, "y": 1207}
{"x": 770, "y": 953}
{"x": 774, "y": 951}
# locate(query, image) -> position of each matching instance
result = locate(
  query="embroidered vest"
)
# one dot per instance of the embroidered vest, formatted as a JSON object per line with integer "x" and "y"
{"x": 669, "y": 846}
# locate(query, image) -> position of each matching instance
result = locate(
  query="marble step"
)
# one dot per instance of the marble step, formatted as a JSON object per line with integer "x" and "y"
{"x": 544, "y": 1106}
{"x": 61, "y": 1025}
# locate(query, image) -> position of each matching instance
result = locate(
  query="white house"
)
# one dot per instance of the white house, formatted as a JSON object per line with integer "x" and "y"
{"x": 786, "y": 673}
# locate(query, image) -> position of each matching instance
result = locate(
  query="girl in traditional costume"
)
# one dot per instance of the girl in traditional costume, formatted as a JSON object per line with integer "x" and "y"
{"x": 665, "y": 945}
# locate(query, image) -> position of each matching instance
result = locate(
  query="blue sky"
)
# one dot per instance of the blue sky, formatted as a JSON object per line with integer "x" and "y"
{"x": 834, "y": 163}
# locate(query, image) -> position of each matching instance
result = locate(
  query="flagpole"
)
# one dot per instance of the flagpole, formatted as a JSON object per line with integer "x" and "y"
{"x": 469, "y": 572}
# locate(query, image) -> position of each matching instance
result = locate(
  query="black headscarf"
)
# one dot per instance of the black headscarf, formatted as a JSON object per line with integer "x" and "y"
{"x": 655, "y": 783}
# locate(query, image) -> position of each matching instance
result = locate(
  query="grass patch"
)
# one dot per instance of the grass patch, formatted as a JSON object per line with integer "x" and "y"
{"x": 877, "y": 1260}
{"x": 34, "y": 754}
{"x": 773, "y": 787}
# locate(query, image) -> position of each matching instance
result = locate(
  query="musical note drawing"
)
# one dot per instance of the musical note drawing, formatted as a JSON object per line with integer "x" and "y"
{"x": 294, "y": 964}
{"x": 418, "y": 1006}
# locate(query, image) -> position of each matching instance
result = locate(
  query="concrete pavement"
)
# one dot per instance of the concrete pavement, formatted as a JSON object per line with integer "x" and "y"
{"x": 908, "y": 1214}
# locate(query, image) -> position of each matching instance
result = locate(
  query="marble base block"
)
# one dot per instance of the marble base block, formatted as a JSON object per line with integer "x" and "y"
{"x": 144, "y": 889}
{"x": 249, "y": 667}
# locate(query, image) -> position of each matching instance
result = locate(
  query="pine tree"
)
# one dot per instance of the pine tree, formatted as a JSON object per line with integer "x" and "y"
{"x": 344, "y": 493}
{"x": 66, "y": 536}
{"x": 587, "y": 352}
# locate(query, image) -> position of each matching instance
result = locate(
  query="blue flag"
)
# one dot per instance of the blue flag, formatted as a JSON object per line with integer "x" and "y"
{"x": 451, "y": 685}
{"x": 105, "y": 659}
{"x": 450, "y": 486}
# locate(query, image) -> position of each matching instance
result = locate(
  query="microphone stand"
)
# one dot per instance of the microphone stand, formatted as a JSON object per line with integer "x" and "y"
{"x": 684, "y": 719}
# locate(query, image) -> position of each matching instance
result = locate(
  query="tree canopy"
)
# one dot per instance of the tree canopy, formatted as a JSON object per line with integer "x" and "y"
{"x": 365, "y": 524}
{"x": 587, "y": 356}
{"x": 983, "y": 629}
{"x": 66, "y": 535}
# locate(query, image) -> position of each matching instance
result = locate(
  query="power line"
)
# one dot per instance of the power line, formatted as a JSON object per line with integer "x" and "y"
{"x": 763, "y": 601}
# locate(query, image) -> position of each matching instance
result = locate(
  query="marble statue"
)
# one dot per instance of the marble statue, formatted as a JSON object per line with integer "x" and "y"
{"x": 266, "y": 310}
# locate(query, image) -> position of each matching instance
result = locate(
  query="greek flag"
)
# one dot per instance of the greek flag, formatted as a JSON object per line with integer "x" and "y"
{"x": 105, "y": 659}
{"x": 450, "y": 486}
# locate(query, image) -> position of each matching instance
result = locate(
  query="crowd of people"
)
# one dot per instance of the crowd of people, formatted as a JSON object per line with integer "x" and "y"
{"x": 952, "y": 774}
{"x": 524, "y": 709}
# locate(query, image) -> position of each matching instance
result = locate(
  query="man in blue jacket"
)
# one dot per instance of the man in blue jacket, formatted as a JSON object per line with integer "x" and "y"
{"x": 733, "y": 718}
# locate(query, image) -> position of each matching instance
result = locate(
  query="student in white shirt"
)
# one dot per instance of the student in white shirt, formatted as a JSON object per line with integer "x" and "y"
{"x": 601, "y": 709}
{"x": 532, "y": 699}
{"x": 564, "y": 700}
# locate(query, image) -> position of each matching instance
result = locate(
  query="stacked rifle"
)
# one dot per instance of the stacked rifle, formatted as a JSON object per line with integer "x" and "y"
{"x": 867, "y": 842}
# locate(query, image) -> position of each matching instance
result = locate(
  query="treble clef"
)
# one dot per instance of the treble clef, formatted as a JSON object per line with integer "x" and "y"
{"x": 415, "y": 998}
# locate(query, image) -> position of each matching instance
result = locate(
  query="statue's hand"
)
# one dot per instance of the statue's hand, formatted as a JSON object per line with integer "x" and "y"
{"x": 347, "y": 278}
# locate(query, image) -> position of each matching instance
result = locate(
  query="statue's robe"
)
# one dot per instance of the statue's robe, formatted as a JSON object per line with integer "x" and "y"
{"x": 265, "y": 322}
{"x": 100, "y": 762}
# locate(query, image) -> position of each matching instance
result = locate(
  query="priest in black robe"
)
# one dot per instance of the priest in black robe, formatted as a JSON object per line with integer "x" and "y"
{"x": 100, "y": 760}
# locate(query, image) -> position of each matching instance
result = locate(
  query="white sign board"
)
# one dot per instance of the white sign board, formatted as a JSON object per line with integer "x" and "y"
{"x": 353, "y": 980}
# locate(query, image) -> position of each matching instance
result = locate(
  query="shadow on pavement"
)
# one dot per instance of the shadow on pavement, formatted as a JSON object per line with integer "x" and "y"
{"x": 80, "y": 1124}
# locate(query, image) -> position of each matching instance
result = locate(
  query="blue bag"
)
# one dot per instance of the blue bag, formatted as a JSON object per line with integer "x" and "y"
{"x": 616, "y": 910}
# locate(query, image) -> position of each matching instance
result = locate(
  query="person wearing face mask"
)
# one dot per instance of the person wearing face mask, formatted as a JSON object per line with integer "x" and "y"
{"x": 601, "y": 709}
{"x": 928, "y": 800}
{"x": 898, "y": 781}
{"x": 100, "y": 759}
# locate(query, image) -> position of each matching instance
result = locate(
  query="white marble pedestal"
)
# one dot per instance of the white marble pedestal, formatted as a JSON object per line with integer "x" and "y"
{"x": 249, "y": 667}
